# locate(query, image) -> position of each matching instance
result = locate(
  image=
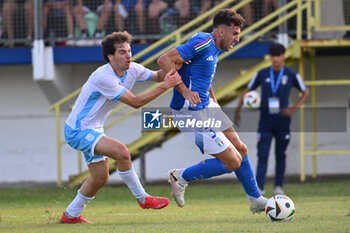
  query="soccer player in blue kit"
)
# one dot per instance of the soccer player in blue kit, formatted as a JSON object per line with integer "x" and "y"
{"x": 276, "y": 83}
{"x": 195, "y": 97}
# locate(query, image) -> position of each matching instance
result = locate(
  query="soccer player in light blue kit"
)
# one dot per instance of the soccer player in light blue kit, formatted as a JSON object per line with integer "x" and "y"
{"x": 196, "y": 97}
{"x": 106, "y": 87}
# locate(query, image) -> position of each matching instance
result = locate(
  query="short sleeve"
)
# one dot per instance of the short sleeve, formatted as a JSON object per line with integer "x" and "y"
{"x": 298, "y": 83}
{"x": 142, "y": 73}
{"x": 110, "y": 88}
{"x": 255, "y": 82}
{"x": 191, "y": 47}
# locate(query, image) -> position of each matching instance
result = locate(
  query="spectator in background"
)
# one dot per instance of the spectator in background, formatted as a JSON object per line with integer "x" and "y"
{"x": 346, "y": 10}
{"x": 51, "y": 6}
{"x": 184, "y": 9}
{"x": 248, "y": 13}
{"x": 11, "y": 7}
{"x": 156, "y": 7}
{"x": 268, "y": 5}
{"x": 101, "y": 7}
{"x": 122, "y": 9}
{"x": 276, "y": 82}
{"x": 189, "y": 9}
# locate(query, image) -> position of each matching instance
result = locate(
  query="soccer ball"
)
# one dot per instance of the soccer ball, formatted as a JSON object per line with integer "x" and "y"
{"x": 251, "y": 99}
{"x": 280, "y": 208}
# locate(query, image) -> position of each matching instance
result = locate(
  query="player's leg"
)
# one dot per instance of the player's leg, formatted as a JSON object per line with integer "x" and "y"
{"x": 119, "y": 152}
{"x": 99, "y": 175}
{"x": 227, "y": 159}
{"x": 282, "y": 141}
{"x": 208, "y": 140}
{"x": 264, "y": 143}
{"x": 245, "y": 173}
{"x": 214, "y": 142}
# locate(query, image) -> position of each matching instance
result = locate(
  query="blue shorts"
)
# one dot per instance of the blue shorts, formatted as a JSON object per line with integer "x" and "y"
{"x": 85, "y": 141}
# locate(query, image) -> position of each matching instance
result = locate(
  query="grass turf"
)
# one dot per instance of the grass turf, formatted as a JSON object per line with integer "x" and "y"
{"x": 320, "y": 207}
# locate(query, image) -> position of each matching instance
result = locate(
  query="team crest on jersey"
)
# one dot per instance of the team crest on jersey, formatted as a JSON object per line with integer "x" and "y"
{"x": 284, "y": 79}
{"x": 152, "y": 120}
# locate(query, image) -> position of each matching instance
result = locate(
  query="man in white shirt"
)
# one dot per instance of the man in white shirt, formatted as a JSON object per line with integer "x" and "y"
{"x": 102, "y": 92}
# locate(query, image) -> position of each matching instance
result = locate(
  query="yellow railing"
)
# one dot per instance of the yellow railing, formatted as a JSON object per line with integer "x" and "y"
{"x": 311, "y": 47}
{"x": 316, "y": 18}
{"x": 295, "y": 8}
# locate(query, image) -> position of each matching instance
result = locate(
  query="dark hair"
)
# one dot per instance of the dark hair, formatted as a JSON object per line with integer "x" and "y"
{"x": 228, "y": 17}
{"x": 108, "y": 44}
{"x": 276, "y": 49}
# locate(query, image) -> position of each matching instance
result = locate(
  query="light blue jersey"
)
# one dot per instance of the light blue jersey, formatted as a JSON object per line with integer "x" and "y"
{"x": 100, "y": 94}
{"x": 98, "y": 97}
{"x": 198, "y": 75}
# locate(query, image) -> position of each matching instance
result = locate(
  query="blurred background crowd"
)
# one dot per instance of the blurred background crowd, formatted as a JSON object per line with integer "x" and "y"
{"x": 85, "y": 22}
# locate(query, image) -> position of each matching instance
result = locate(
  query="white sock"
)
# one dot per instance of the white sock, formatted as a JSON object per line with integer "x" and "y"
{"x": 132, "y": 181}
{"x": 259, "y": 199}
{"x": 78, "y": 205}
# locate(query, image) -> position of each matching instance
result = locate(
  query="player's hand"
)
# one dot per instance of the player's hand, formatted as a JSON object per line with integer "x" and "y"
{"x": 178, "y": 65}
{"x": 237, "y": 116}
{"x": 171, "y": 79}
{"x": 287, "y": 112}
{"x": 193, "y": 97}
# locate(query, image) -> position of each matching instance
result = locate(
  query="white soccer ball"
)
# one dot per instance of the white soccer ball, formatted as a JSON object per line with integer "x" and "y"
{"x": 251, "y": 99}
{"x": 280, "y": 208}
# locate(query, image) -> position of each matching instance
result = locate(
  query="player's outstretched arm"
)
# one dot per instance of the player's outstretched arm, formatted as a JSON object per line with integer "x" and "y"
{"x": 173, "y": 60}
{"x": 158, "y": 76}
{"x": 171, "y": 79}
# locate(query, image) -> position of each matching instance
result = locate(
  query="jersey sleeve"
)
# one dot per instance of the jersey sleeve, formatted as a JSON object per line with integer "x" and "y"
{"x": 142, "y": 73}
{"x": 190, "y": 48}
{"x": 110, "y": 88}
{"x": 298, "y": 83}
{"x": 255, "y": 82}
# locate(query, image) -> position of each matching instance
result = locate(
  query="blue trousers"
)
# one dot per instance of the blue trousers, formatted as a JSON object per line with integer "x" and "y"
{"x": 264, "y": 143}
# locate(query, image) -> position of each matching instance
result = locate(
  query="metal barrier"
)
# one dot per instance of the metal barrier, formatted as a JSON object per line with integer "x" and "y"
{"x": 311, "y": 47}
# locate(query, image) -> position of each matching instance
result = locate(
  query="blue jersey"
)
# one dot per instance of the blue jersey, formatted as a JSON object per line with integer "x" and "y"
{"x": 198, "y": 75}
{"x": 289, "y": 79}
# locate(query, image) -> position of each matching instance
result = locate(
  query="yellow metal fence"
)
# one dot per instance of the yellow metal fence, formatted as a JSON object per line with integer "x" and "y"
{"x": 310, "y": 47}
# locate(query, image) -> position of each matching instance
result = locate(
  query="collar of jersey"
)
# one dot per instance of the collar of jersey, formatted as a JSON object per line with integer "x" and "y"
{"x": 211, "y": 35}
{"x": 121, "y": 78}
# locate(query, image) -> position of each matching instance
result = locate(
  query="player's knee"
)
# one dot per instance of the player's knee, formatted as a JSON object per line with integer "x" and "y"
{"x": 123, "y": 154}
{"x": 100, "y": 180}
{"x": 235, "y": 163}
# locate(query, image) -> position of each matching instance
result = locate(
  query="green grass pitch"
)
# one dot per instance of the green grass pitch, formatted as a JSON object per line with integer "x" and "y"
{"x": 320, "y": 207}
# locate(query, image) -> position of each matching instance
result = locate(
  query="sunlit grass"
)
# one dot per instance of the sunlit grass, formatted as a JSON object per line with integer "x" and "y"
{"x": 320, "y": 207}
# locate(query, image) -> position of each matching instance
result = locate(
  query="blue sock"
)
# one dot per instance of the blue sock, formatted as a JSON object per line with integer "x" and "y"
{"x": 205, "y": 169}
{"x": 246, "y": 176}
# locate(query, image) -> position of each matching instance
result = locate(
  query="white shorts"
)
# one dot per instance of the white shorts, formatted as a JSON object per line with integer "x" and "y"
{"x": 210, "y": 137}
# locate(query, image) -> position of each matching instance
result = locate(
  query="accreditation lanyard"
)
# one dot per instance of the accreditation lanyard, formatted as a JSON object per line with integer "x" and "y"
{"x": 274, "y": 86}
{"x": 274, "y": 103}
